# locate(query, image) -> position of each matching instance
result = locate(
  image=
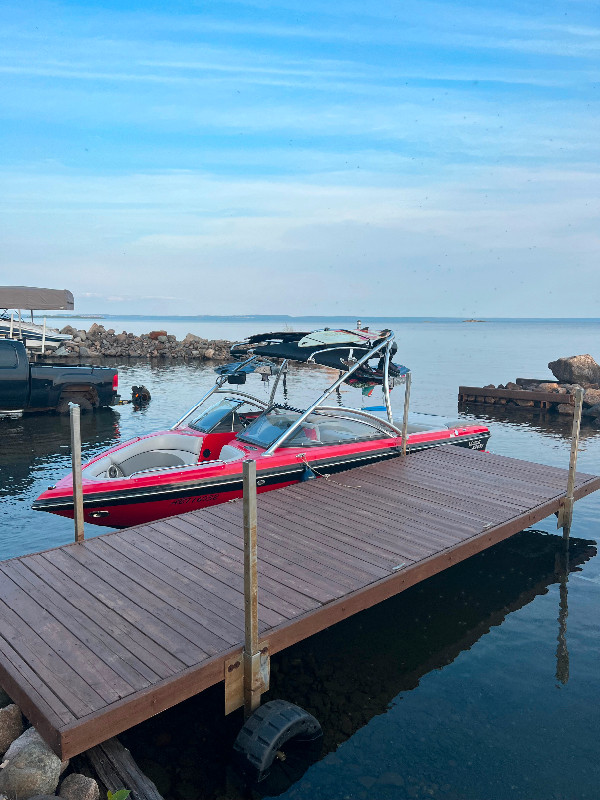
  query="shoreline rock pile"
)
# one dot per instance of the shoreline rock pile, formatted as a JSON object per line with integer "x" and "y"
{"x": 29, "y": 769}
{"x": 570, "y": 373}
{"x": 99, "y": 342}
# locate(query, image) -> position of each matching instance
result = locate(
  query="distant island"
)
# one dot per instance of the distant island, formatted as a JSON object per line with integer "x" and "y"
{"x": 75, "y": 316}
{"x": 474, "y": 320}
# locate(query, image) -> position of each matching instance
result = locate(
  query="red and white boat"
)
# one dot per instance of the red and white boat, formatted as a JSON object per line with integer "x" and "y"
{"x": 198, "y": 462}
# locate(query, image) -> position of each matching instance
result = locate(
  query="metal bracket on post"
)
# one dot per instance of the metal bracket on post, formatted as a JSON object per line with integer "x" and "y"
{"x": 565, "y": 512}
{"x": 76, "y": 468}
{"x": 405, "y": 416}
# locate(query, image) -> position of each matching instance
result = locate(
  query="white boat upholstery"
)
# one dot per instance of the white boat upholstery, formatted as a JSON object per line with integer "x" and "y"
{"x": 154, "y": 452}
{"x": 230, "y": 453}
{"x": 166, "y": 451}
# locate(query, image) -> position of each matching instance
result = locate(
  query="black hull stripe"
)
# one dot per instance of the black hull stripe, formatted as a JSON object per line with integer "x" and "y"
{"x": 292, "y": 472}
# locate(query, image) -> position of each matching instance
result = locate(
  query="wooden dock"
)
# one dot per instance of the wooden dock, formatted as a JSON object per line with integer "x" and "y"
{"x": 97, "y": 636}
{"x": 522, "y": 398}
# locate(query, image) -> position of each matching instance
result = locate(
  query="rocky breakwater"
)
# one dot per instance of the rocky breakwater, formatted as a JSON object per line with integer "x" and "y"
{"x": 100, "y": 342}
{"x": 570, "y": 373}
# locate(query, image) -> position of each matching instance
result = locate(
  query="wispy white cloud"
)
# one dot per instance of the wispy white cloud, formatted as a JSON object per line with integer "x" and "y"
{"x": 201, "y": 233}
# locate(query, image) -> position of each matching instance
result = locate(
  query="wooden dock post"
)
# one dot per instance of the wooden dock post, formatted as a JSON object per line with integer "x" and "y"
{"x": 251, "y": 656}
{"x": 565, "y": 514}
{"x": 405, "y": 416}
{"x": 76, "y": 468}
{"x": 248, "y": 677}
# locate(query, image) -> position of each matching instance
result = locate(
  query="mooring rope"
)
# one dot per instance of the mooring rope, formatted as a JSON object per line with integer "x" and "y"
{"x": 325, "y": 475}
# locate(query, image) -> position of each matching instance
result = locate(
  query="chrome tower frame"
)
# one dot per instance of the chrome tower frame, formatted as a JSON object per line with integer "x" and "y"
{"x": 389, "y": 428}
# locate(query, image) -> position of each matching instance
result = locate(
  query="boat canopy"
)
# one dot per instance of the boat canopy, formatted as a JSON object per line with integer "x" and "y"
{"x": 32, "y": 298}
{"x": 338, "y": 349}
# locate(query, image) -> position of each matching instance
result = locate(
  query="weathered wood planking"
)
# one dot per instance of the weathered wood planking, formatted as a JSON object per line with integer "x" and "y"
{"x": 513, "y": 394}
{"x": 98, "y": 636}
{"x": 115, "y": 768}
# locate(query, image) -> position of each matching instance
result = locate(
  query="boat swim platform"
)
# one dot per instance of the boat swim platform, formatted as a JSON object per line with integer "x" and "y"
{"x": 98, "y": 636}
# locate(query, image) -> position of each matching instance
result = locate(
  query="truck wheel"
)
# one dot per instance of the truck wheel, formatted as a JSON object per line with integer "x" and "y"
{"x": 87, "y": 401}
{"x": 277, "y": 745}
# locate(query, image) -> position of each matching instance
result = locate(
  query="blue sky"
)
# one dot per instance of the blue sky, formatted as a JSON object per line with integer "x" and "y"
{"x": 414, "y": 158}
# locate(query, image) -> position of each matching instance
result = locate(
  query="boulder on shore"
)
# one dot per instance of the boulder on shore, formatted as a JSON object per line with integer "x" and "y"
{"x": 591, "y": 397}
{"x": 69, "y": 330}
{"x": 565, "y": 408}
{"x": 79, "y": 787}
{"x": 581, "y": 369}
{"x": 32, "y": 768}
{"x": 11, "y": 726}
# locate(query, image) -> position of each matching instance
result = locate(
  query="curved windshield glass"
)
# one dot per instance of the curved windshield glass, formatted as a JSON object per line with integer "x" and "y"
{"x": 315, "y": 430}
{"x": 219, "y": 417}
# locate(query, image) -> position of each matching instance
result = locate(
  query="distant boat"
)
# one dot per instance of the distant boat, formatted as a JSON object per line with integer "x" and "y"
{"x": 16, "y": 299}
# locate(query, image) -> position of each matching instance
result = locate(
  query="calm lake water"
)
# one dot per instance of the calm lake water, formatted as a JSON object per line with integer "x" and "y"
{"x": 480, "y": 683}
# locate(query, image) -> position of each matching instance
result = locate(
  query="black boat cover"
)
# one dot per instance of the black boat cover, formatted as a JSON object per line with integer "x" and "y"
{"x": 338, "y": 349}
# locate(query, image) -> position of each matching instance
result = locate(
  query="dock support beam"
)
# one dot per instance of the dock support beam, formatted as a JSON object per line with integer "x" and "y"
{"x": 405, "y": 415}
{"x": 565, "y": 514}
{"x": 251, "y": 656}
{"x": 74, "y": 412}
{"x": 247, "y": 674}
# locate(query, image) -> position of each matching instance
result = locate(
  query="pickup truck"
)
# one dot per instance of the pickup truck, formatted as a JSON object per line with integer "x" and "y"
{"x": 28, "y": 387}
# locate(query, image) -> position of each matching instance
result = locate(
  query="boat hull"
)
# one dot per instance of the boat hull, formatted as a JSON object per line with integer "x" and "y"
{"x": 135, "y": 502}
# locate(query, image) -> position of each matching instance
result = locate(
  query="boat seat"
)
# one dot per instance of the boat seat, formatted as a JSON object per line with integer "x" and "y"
{"x": 230, "y": 453}
{"x": 153, "y": 452}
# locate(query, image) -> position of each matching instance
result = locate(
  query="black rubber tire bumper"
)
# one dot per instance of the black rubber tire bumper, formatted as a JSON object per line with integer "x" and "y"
{"x": 266, "y": 733}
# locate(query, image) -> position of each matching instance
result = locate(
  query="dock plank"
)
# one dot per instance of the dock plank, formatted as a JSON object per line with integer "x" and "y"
{"x": 100, "y": 635}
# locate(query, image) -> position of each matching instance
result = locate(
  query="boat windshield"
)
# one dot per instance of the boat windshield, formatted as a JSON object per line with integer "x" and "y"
{"x": 315, "y": 430}
{"x": 223, "y": 416}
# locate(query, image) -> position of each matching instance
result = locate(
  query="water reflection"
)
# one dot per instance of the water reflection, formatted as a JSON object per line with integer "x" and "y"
{"x": 32, "y": 444}
{"x": 562, "y": 650}
{"x": 349, "y": 674}
{"x": 548, "y": 423}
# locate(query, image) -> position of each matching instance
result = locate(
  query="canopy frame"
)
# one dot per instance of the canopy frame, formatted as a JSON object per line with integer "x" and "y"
{"x": 383, "y": 343}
